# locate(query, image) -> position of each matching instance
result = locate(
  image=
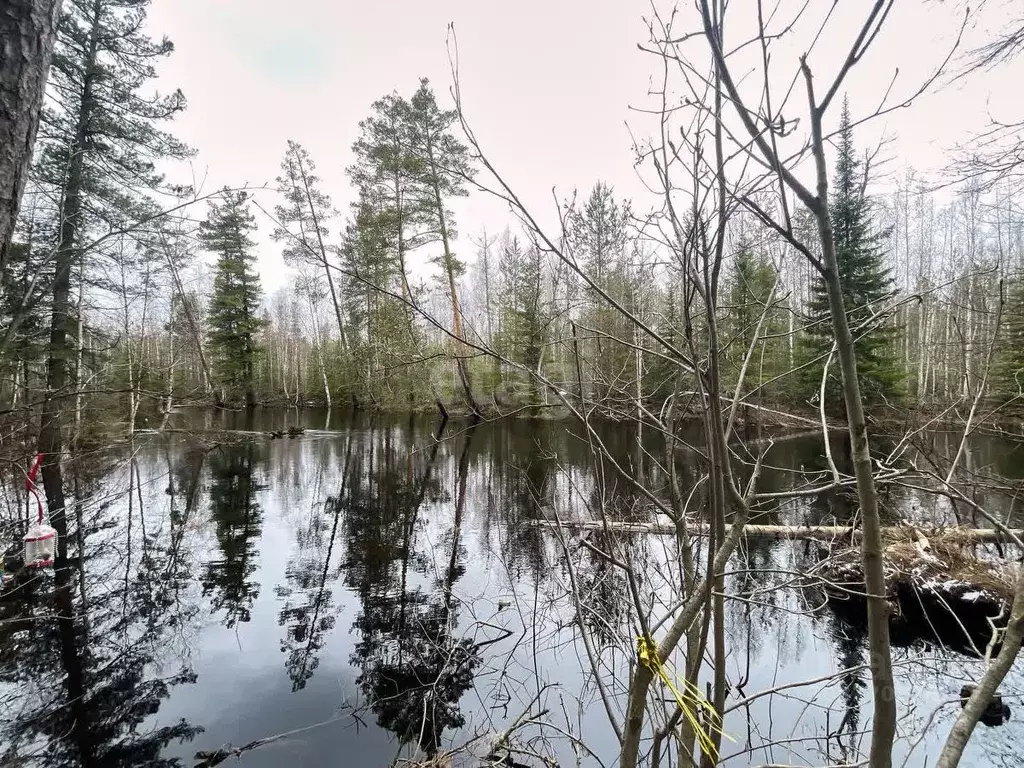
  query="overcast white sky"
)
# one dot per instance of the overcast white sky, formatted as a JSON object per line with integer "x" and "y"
{"x": 548, "y": 85}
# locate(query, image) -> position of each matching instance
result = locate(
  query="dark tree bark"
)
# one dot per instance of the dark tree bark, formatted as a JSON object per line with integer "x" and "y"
{"x": 51, "y": 440}
{"x": 28, "y": 30}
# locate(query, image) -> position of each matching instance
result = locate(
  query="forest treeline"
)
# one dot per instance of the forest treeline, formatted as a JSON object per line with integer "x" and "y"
{"x": 125, "y": 293}
{"x": 772, "y": 266}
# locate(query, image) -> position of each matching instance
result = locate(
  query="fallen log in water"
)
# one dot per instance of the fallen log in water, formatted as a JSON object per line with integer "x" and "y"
{"x": 663, "y": 526}
{"x": 937, "y": 585}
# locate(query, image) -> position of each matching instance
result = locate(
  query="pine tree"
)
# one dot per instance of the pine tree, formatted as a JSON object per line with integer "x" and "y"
{"x": 29, "y": 30}
{"x": 392, "y": 216}
{"x": 234, "y": 318}
{"x": 442, "y": 165}
{"x": 599, "y": 233}
{"x": 386, "y": 172}
{"x": 866, "y": 285}
{"x": 599, "y": 237}
{"x": 98, "y": 156}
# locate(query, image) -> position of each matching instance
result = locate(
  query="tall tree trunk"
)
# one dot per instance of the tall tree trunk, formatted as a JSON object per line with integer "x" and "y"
{"x": 285, "y": 356}
{"x": 172, "y": 364}
{"x": 129, "y": 345}
{"x": 250, "y": 376}
{"x": 372, "y": 351}
{"x": 79, "y": 351}
{"x": 639, "y": 372}
{"x": 51, "y": 443}
{"x": 28, "y": 31}
{"x": 193, "y": 325}
{"x": 320, "y": 356}
{"x": 322, "y": 253}
{"x": 966, "y": 382}
{"x": 407, "y": 296}
{"x": 489, "y": 314}
{"x": 884, "y": 725}
{"x": 922, "y": 350}
{"x": 449, "y": 267}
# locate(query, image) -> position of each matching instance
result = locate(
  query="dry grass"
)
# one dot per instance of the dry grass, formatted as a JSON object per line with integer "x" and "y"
{"x": 948, "y": 560}
{"x": 945, "y": 563}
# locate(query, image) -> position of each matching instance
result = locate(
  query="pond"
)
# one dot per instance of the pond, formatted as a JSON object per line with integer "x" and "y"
{"x": 362, "y": 589}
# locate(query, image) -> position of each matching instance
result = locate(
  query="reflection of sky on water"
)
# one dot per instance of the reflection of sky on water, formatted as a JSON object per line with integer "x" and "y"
{"x": 313, "y": 535}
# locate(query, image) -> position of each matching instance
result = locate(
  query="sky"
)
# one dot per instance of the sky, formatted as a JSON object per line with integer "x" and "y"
{"x": 553, "y": 89}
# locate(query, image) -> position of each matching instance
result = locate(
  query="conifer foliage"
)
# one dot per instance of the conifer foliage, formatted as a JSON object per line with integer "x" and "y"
{"x": 867, "y": 286}
{"x": 442, "y": 164}
{"x": 524, "y": 316}
{"x": 102, "y": 136}
{"x": 1009, "y": 364}
{"x": 599, "y": 234}
{"x": 751, "y": 295}
{"x": 409, "y": 167}
{"x": 234, "y": 318}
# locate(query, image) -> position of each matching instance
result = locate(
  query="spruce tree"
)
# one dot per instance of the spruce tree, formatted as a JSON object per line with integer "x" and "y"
{"x": 524, "y": 315}
{"x": 662, "y": 380}
{"x": 237, "y": 516}
{"x": 23, "y": 323}
{"x": 234, "y": 317}
{"x": 380, "y": 334}
{"x": 750, "y": 291}
{"x": 866, "y": 285}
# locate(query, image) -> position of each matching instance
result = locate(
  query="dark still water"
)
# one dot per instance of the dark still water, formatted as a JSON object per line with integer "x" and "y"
{"x": 369, "y": 594}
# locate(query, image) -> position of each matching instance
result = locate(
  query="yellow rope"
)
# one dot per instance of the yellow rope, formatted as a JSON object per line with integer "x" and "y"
{"x": 689, "y": 704}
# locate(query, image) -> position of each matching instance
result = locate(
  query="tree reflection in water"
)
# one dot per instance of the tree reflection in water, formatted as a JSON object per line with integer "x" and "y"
{"x": 80, "y": 676}
{"x": 413, "y": 668}
{"x": 308, "y": 613}
{"x": 180, "y": 551}
{"x": 238, "y": 519}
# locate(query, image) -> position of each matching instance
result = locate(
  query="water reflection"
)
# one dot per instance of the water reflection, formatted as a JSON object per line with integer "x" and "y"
{"x": 413, "y": 669}
{"x": 237, "y": 519}
{"x": 78, "y": 646}
{"x": 388, "y": 580}
{"x": 308, "y": 611}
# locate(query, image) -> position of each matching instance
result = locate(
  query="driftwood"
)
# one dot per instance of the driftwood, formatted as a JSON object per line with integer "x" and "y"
{"x": 663, "y": 526}
{"x": 207, "y": 758}
{"x": 936, "y": 585}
